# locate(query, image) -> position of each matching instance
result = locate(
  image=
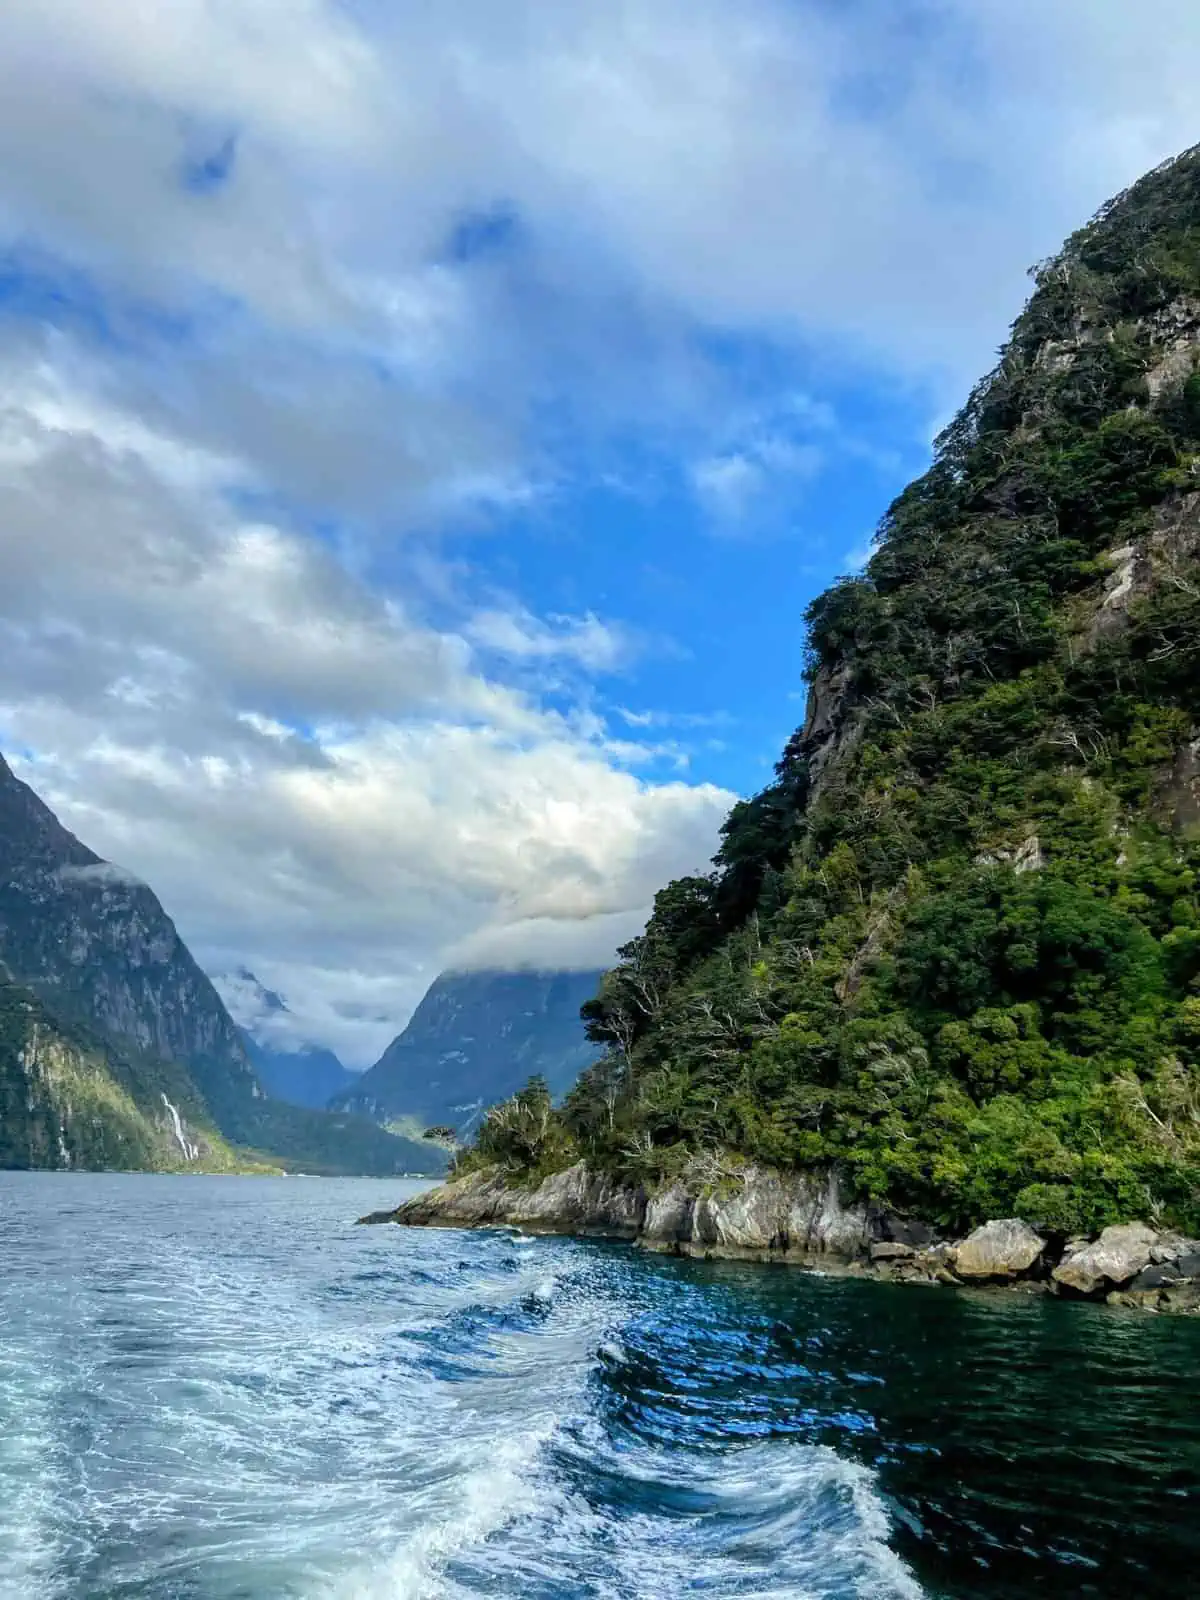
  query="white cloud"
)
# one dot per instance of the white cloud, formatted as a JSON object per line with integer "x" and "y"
{"x": 730, "y": 487}
{"x": 877, "y": 173}
{"x": 315, "y": 782}
{"x": 728, "y": 484}
{"x": 674, "y": 719}
{"x": 105, "y": 874}
{"x": 585, "y": 641}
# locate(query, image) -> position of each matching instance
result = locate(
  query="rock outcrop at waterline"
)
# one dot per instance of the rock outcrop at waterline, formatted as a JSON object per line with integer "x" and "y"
{"x": 802, "y": 1219}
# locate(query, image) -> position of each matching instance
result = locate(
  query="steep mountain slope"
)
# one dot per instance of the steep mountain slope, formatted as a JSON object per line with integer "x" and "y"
{"x": 70, "y": 1099}
{"x": 96, "y": 948}
{"x": 954, "y": 948}
{"x": 304, "y": 1074}
{"x": 474, "y": 1039}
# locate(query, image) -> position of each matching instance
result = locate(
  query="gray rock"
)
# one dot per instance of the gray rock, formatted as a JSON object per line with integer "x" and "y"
{"x": 1179, "y": 1299}
{"x": 574, "y": 1201}
{"x": 792, "y": 1214}
{"x": 1002, "y": 1249}
{"x": 669, "y": 1215}
{"x": 1110, "y": 1261}
{"x": 1166, "y": 1274}
{"x": 795, "y": 1216}
{"x": 887, "y": 1250}
{"x": 895, "y": 1229}
{"x": 1154, "y": 1278}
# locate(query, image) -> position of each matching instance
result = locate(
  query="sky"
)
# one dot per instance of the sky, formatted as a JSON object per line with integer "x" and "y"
{"x": 423, "y": 427}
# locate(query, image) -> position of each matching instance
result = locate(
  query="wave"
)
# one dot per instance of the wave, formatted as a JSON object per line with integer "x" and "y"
{"x": 551, "y": 1502}
{"x": 257, "y": 1405}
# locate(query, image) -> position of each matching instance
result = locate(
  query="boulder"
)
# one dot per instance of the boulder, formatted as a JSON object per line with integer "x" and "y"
{"x": 892, "y": 1228}
{"x": 1001, "y": 1249}
{"x": 1110, "y": 1261}
{"x": 887, "y": 1250}
{"x": 1167, "y": 1274}
{"x": 1180, "y": 1299}
{"x": 1155, "y": 1278}
{"x": 1169, "y": 1247}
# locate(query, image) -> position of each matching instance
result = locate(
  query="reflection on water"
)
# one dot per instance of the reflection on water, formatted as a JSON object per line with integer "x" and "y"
{"x": 221, "y": 1388}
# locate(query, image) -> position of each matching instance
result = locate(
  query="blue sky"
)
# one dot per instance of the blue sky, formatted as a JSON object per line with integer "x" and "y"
{"x": 422, "y": 429}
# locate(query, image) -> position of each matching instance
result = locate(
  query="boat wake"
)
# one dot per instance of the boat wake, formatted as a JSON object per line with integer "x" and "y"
{"x": 289, "y": 1409}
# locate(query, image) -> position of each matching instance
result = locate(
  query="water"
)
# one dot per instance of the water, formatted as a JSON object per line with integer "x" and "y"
{"x": 220, "y": 1389}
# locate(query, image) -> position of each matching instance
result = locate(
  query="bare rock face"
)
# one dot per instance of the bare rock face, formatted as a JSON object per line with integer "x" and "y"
{"x": 792, "y": 1216}
{"x": 669, "y": 1215}
{"x": 574, "y": 1201}
{"x": 998, "y": 1250}
{"x": 1110, "y": 1261}
{"x": 789, "y": 1215}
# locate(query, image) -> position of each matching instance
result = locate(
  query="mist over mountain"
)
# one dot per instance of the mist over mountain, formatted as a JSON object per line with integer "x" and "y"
{"x": 303, "y": 1073}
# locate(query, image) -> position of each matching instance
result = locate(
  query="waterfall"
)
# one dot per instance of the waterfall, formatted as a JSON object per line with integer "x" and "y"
{"x": 190, "y": 1151}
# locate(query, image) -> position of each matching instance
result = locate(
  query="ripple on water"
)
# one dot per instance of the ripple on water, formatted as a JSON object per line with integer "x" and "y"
{"x": 223, "y": 1390}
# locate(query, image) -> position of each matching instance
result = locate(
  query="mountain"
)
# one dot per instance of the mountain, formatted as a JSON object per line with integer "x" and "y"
{"x": 953, "y": 949}
{"x": 302, "y": 1074}
{"x": 70, "y": 1099}
{"x": 473, "y": 1040}
{"x": 103, "y": 960}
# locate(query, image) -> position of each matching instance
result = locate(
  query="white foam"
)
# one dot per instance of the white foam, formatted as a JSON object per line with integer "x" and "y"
{"x": 780, "y": 1520}
{"x": 29, "y": 1540}
{"x": 486, "y": 1499}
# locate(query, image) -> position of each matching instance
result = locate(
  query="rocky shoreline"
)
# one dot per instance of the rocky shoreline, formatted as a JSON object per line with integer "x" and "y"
{"x": 801, "y": 1219}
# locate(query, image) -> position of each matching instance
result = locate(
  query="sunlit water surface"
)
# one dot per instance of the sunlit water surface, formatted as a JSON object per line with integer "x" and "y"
{"x": 223, "y": 1389}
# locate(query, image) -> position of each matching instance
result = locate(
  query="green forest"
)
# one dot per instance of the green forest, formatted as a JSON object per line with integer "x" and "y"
{"x": 954, "y": 947}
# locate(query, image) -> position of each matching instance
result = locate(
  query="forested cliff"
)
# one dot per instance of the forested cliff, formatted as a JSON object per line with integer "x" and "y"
{"x": 954, "y": 947}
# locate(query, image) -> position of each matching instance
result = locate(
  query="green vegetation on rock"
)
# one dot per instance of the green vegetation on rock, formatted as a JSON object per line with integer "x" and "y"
{"x": 71, "y": 1099}
{"x": 954, "y": 947}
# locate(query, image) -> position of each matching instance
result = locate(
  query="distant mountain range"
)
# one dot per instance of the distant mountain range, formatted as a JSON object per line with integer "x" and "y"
{"x": 474, "y": 1039}
{"x": 115, "y": 1048}
{"x": 304, "y": 1074}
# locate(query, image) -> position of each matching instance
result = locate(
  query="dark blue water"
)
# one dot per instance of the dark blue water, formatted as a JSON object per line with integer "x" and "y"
{"x": 220, "y": 1389}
